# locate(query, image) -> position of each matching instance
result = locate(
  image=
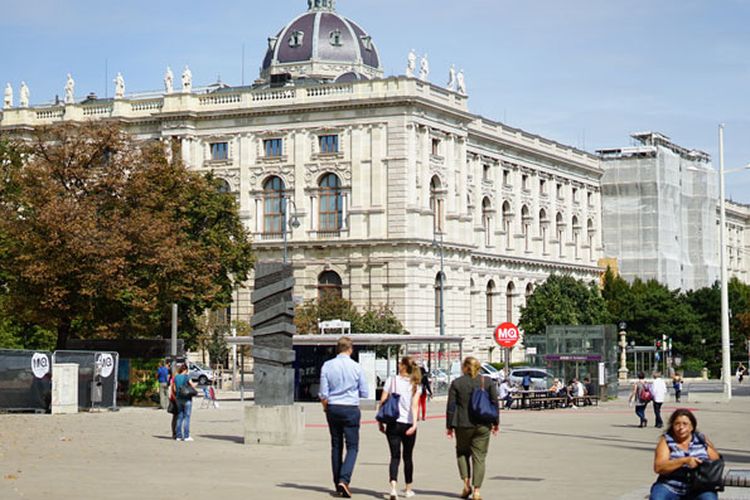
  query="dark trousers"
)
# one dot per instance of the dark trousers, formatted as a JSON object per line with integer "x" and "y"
{"x": 343, "y": 423}
{"x": 397, "y": 438}
{"x": 677, "y": 394}
{"x": 657, "y": 414}
{"x": 174, "y": 426}
{"x": 640, "y": 410}
{"x": 508, "y": 401}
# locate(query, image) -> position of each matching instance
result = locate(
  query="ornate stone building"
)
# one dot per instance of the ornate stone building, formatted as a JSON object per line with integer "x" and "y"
{"x": 375, "y": 180}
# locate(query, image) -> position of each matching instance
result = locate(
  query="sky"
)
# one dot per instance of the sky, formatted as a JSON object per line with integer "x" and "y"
{"x": 586, "y": 73}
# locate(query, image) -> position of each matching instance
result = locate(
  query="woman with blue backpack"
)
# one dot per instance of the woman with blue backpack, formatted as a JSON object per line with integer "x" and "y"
{"x": 398, "y": 421}
{"x": 472, "y": 415}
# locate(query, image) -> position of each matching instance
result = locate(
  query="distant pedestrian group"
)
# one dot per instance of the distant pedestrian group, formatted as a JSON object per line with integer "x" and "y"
{"x": 642, "y": 393}
{"x": 472, "y": 416}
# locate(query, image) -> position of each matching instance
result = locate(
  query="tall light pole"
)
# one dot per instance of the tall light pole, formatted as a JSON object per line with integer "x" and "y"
{"x": 442, "y": 289}
{"x": 726, "y": 368}
{"x": 726, "y": 360}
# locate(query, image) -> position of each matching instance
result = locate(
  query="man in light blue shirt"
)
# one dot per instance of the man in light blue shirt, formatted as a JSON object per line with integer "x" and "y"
{"x": 342, "y": 384}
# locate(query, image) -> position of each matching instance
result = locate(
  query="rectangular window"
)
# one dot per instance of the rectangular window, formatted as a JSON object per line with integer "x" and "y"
{"x": 485, "y": 172}
{"x": 436, "y": 147}
{"x": 219, "y": 151}
{"x": 273, "y": 147}
{"x": 590, "y": 199}
{"x": 575, "y": 195}
{"x": 525, "y": 182}
{"x": 542, "y": 186}
{"x": 559, "y": 191}
{"x": 506, "y": 177}
{"x": 329, "y": 144}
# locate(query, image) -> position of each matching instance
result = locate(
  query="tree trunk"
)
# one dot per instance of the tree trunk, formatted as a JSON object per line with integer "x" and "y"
{"x": 63, "y": 333}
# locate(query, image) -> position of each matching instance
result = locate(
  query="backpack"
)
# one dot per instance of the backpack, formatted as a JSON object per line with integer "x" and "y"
{"x": 644, "y": 393}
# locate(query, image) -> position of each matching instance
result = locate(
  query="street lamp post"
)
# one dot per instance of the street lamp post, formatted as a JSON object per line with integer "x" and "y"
{"x": 726, "y": 368}
{"x": 293, "y": 221}
{"x": 442, "y": 289}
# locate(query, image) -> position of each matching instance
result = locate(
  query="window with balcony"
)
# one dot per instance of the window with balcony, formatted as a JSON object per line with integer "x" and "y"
{"x": 273, "y": 147}
{"x": 274, "y": 206}
{"x": 331, "y": 204}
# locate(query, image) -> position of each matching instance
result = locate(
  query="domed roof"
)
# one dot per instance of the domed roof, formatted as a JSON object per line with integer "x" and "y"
{"x": 321, "y": 44}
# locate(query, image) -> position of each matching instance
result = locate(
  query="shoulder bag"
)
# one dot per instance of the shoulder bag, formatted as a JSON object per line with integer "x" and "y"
{"x": 186, "y": 391}
{"x": 481, "y": 408}
{"x": 709, "y": 475}
{"x": 389, "y": 411}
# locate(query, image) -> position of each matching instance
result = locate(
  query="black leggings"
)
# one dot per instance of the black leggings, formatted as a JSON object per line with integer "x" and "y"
{"x": 396, "y": 434}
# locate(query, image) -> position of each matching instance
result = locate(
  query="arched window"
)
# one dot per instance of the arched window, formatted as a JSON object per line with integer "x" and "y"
{"x": 331, "y": 204}
{"x": 438, "y": 294}
{"x": 560, "y": 230}
{"x": 329, "y": 285}
{"x": 471, "y": 302}
{"x": 529, "y": 291}
{"x": 487, "y": 221}
{"x": 436, "y": 204}
{"x": 591, "y": 233}
{"x": 509, "y": 294}
{"x": 575, "y": 229}
{"x": 525, "y": 222}
{"x": 543, "y": 230}
{"x": 489, "y": 298}
{"x": 223, "y": 186}
{"x": 507, "y": 219}
{"x": 274, "y": 206}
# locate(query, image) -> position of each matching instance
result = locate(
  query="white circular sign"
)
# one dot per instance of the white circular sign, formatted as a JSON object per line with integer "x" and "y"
{"x": 106, "y": 363}
{"x": 40, "y": 365}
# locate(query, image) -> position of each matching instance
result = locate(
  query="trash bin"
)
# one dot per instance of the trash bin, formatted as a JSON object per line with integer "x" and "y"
{"x": 96, "y": 392}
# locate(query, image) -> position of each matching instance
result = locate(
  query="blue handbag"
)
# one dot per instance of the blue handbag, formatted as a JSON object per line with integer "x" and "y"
{"x": 481, "y": 409}
{"x": 389, "y": 410}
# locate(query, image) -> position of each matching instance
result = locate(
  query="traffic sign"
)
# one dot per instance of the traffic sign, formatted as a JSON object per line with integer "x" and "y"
{"x": 506, "y": 335}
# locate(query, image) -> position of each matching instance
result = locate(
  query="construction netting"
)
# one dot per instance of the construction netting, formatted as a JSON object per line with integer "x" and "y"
{"x": 25, "y": 380}
{"x": 659, "y": 218}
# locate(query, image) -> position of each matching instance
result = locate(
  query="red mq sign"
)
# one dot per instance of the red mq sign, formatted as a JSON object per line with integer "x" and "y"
{"x": 506, "y": 335}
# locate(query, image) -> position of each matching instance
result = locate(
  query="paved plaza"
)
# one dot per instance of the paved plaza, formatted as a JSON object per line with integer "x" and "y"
{"x": 590, "y": 453}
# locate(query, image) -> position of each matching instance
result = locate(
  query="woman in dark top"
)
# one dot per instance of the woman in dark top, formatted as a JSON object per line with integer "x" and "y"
{"x": 472, "y": 437}
{"x": 426, "y": 391}
{"x": 680, "y": 449}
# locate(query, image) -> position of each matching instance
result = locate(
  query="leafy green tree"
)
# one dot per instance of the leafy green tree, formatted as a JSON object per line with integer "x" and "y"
{"x": 562, "y": 300}
{"x": 99, "y": 234}
{"x": 330, "y": 306}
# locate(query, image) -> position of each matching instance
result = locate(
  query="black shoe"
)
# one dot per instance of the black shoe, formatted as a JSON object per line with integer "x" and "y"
{"x": 659, "y": 426}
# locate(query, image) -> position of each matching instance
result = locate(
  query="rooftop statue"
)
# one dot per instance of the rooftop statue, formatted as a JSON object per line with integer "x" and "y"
{"x": 119, "y": 86}
{"x": 461, "y": 83}
{"x": 70, "y": 90}
{"x": 169, "y": 81}
{"x": 187, "y": 80}
{"x": 23, "y": 98}
{"x": 424, "y": 68}
{"x": 452, "y": 78}
{"x": 411, "y": 64}
{"x": 8, "y": 100}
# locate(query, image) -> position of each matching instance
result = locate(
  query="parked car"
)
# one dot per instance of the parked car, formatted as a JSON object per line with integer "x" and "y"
{"x": 200, "y": 373}
{"x": 540, "y": 378}
{"x": 487, "y": 370}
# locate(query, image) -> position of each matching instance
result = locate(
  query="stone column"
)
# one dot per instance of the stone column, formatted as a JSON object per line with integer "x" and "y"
{"x": 623, "y": 371}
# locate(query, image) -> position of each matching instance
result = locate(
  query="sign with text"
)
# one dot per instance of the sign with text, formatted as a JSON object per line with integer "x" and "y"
{"x": 507, "y": 335}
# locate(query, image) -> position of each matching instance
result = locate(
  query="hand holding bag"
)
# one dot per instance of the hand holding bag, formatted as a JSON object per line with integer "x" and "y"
{"x": 481, "y": 408}
{"x": 709, "y": 475}
{"x": 389, "y": 411}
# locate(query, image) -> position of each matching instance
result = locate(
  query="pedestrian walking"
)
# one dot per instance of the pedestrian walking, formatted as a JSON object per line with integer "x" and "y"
{"x": 506, "y": 393}
{"x": 184, "y": 391}
{"x": 342, "y": 384}
{"x": 659, "y": 393}
{"x": 425, "y": 393}
{"x": 162, "y": 375}
{"x": 472, "y": 436}
{"x": 402, "y": 434}
{"x": 677, "y": 386}
{"x": 741, "y": 372}
{"x": 640, "y": 395}
{"x": 681, "y": 449}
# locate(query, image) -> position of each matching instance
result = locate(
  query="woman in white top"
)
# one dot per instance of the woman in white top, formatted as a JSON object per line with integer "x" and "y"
{"x": 402, "y": 434}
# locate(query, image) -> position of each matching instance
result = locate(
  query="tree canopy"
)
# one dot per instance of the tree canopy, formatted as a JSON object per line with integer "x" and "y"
{"x": 330, "y": 306}
{"x": 100, "y": 233}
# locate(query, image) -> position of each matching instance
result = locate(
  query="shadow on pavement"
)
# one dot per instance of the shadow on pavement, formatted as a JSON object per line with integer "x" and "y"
{"x": 168, "y": 438}
{"x": 231, "y": 439}
{"x": 510, "y": 478}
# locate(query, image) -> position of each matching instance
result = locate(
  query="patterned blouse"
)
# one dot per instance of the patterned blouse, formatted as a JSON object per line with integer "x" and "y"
{"x": 677, "y": 480}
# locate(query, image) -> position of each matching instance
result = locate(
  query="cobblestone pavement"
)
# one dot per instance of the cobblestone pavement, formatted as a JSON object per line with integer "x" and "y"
{"x": 590, "y": 453}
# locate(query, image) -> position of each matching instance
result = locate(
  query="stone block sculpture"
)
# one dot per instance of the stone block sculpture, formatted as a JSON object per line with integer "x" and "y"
{"x": 273, "y": 328}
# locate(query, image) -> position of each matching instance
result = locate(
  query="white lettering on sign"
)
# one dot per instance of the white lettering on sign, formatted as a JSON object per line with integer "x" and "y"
{"x": 507, "y": 333}
{"x": 39, "y": 364}
{"x": 106, "y": 363}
